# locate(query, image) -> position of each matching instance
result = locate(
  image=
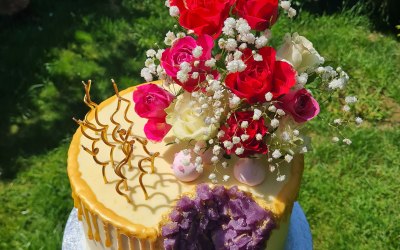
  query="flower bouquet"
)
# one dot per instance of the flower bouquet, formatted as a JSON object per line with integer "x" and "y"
{"x": 226, "y": 92}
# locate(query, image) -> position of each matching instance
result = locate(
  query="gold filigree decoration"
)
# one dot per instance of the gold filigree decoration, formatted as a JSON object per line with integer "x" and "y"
{"x": 119, "y": 138}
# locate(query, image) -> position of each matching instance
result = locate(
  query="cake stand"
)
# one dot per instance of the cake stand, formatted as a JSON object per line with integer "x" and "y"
{"x": 299, "y": 235}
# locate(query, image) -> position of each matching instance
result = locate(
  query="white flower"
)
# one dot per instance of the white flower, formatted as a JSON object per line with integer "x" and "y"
{"x": 257, "y": 114}
{"x": 301, "y": 80}
{"x": 236, "y": 66}
{"x": 280, "y": 112}
{"x": 275, "y": 123}
{"x": 185, "y": 67}
{"x": 221, "y": 133}
{"x": 244, "y": 124}
{"x": 346, "y": 108}
{"x": 337, "y": 121}
{"x": 226, "y": 177}
{"x": 299, "y": 52}
{"x": 224, "y": 164}
{"x": 359, "y": 120}
{"x": 280, "y": 178}
{"x": 222, "y": 43}
{"x": 244, "y": 137}
{"x": 243, "y": 46}
{"x": 303, "y": 150}
{"x": 271, "y": 168}
{"x": 210, "y": 63}
{"x": 285, "y": 136}
{"x": 272, "y": 108}
{"x": 228, "y": 145}
{"x": 259, "y": 137}
{"x": 174, "y": 11}
{"x": 231, "y": 44}
{"x": 146, "y": 74}
{"x": 151, "y": 53}
{"x": 159, "y": 53}
{"x": 187, "y": 124}
{"x": 261, "y": 41}
{"x": 351, "y": 99}
{"x": 169, "y": 38}
{"x": 335, "y": 139}
{"x": 182, "y": 76}
{"x": 237, "y": 55}
{"x": 199, "y": 168}
{"x": 285, "y": 5}
{"x": 197, "y": 52}
{"x": 216, "y": 150}
{"x": 292, "y": 12}
{"x": 235, "y": 140}
{"x": 248, "y": 38}
{"x": 229, "y": 25}
{"x": 268, "y": 96}
{"x": 276, "y": 154}
{"x": 195, "y": 75}
{"x": 180, "y": 35}
{"x": 288, "y": 158}
{"x": 336, "y": 84}
{"x": 296, "y": 132}
{"x": 239, "y": 151}
{"x": 212, "y": 176}
{"x": 242, "y": 26}
{"x": 347, "y": 141}
{"x": 258, "y": 58}
{"x": 234, "y": 101}
{"x": 214, "y": 159}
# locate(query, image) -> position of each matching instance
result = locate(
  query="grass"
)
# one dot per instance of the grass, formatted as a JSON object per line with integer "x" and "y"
{"x": 36, "y": 205}
{"x": 349, "y": 194}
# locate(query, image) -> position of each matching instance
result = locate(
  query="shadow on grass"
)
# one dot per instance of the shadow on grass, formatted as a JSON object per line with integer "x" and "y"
{"x": 46, "y": 51}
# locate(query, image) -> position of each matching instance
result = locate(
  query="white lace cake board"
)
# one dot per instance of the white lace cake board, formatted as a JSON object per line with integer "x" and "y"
{"x": 299, "y": 235}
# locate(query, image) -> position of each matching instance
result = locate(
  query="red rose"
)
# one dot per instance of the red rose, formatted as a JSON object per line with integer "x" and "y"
{"x": 261, "y": 77}
{"x": 203, "y": 17}
{"x": 251, "y": 145}
{"x": 300, "y": 104}
{"x": 259, "y": 14}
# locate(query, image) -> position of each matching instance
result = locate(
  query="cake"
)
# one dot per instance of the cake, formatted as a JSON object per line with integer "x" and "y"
{"x": 112, "y": 222}
{"x": 210, "y": 155}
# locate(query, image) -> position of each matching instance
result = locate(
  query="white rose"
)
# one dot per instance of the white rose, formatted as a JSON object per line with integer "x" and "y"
{"x": 186, "y": 123}
{"x": 300, "y": 52}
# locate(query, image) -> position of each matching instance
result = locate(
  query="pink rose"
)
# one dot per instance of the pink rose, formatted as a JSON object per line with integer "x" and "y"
{"x": 151, "y": 100}
{"x": 156, "y": 129}
{"x": 182, "y": 51}
{"x": 300, "y": 104}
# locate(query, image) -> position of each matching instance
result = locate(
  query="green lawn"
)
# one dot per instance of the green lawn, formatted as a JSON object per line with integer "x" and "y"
{"x": 350, "y": 194}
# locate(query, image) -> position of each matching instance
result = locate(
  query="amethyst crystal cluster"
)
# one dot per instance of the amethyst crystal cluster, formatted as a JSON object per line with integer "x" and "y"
{"x": 217, "y": 218}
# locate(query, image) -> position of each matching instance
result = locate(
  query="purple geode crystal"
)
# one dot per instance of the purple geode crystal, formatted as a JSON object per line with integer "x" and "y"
{"x": 217, "y": 218}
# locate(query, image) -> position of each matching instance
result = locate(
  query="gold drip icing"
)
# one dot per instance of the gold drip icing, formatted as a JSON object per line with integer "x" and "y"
{"x": 120, "y": 138}
{"x": 96, "y": 227}
{"x": 107, "y": 234}
{"x": 90, "y": 232}
{"x": 142, "y": 244}
{"x": 152, "y": 245}
{"x": 131, "y": 243}
{"x": 119, "y": 240}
